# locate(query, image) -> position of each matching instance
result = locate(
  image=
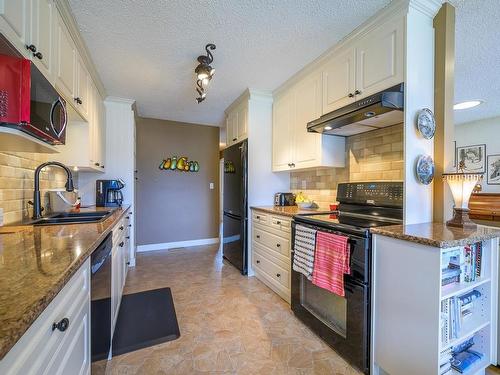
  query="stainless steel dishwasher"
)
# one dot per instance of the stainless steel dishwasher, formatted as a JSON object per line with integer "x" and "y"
{"x": 100, "y": 295}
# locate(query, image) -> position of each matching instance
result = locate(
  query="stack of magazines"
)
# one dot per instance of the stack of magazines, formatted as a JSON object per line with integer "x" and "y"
{"x": 463, "y": 265}
{"x": 454, "y": 311}
{"x": 463, "y": 357}
{"x": 445, "y": 362}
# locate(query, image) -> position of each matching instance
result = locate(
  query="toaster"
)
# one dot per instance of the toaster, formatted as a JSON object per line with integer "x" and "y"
{"x": 284, "y": 199}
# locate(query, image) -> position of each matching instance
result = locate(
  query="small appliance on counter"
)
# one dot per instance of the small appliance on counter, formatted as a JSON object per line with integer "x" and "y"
{"x": 108, "y": 193}
{"x": 284, "y": 199}
{"x": 28, "y": 101}
{"x": 63, "y": 201}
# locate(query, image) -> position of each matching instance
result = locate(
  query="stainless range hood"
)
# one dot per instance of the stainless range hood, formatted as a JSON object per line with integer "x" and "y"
{"x": 374, "y": 112}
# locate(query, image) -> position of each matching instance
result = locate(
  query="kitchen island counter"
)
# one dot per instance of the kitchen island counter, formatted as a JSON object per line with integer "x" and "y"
{"x": 289, "y": 210}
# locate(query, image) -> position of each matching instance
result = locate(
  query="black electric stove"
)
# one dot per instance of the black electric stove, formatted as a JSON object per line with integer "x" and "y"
{"x": 344, "y": 322}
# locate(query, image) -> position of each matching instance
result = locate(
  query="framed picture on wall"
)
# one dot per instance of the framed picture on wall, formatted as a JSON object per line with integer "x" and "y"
{"x": 473, "y": 158}
{"x": 493, "y": 170}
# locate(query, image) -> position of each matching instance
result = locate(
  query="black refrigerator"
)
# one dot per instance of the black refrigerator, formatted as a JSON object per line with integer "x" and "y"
{"x": 235, "y": 193}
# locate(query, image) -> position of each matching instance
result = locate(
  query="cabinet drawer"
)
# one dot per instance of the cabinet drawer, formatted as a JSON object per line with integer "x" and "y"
{"x": 264, "y": 264}
{"x": 271, "y": 241}
{"x": 34, "y": 352}
{"x": 260, "y": 217}
{"x": 281, "y": 223}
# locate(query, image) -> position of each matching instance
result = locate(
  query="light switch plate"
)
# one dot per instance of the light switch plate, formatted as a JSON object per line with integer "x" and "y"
{"x": 212, "y": 186}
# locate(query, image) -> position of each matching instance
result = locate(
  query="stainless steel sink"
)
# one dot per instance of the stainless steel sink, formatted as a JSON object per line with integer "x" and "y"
{"x": 72, "y": 218}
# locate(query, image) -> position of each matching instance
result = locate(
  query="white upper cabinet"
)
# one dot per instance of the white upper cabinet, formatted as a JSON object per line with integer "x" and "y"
{"x": 379, "y": 59}
{"x": 81, "y": 91}
{"x": 65, "y": 61}
{"x": 306, "y": 146}
{"x": 242, "y": 114}
{"x": 339, "y": 80}
{"x": 14, "y": 22}
{"x": 282, "y": 132}
{"x": 294, "y": 147}
{"x": 29, "y": 25}
{"x": 237, "y": 123}
{"x": 42, "y": 31}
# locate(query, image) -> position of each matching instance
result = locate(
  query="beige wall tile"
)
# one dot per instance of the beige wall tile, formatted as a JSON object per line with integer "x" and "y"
{"x": 376, "y": 155}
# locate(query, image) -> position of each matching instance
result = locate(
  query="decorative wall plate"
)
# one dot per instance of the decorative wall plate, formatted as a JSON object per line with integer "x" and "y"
{"x": 426, "y": 123}
{"x": 424, "y": 169}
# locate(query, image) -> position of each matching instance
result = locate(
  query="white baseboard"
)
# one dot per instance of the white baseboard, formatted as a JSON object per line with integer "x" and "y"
{"x": 174, "y": 245}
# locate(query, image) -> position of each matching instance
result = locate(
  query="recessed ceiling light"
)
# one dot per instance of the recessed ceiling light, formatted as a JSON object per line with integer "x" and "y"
{"x": 328, "y": 127}
{"x": 468, "y": 104}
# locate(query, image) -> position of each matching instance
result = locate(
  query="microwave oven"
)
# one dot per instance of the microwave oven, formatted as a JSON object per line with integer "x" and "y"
{"x": 28, "y": 101}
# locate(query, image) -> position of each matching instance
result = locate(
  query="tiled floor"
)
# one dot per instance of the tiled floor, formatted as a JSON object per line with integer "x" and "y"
{"x": 229, "y": 324}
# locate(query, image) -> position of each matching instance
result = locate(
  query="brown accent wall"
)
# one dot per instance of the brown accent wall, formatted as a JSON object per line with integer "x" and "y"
{"x": 372, "y": 156}
{"x": 17, "y": 180}
{"x": 172, "y": 205}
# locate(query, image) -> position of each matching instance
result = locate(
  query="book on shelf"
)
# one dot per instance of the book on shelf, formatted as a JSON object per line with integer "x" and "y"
{"x": 462, "y": 265}
{"x": 464, "y": 357}
{"x": 454, "y": 312}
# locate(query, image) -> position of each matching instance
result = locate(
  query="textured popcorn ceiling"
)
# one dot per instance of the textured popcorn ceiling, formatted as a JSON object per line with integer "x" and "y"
{"x": 146, "y": 49}
{"x": 477, "y": 54}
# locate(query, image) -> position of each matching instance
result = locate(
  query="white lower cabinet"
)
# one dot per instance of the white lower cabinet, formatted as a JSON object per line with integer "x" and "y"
{"x": 45, "y": 349}
{"x": 271, "y": 249}
{"x": 119, "y": 266}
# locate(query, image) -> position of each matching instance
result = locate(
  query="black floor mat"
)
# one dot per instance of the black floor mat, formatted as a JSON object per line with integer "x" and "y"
{"x": 145, "y": 319}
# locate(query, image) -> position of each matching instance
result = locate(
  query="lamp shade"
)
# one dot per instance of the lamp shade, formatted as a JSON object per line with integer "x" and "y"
{"x": 461, "y": 186}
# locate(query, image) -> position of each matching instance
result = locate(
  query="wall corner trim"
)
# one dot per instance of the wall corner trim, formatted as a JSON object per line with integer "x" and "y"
{"x": 427, "y": 7}
{"x": 177, "y": 244}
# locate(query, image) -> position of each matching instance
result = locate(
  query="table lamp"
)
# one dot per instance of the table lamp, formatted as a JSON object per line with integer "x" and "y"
{"x": 461, "y": 185}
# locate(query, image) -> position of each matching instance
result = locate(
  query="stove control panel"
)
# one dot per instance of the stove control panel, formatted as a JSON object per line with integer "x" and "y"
{"x": 371, "y": 193}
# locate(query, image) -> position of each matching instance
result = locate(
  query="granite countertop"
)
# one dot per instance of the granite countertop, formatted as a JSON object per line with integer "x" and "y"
{"x": 289, "y": 210}
{"x": 36, "y": 263}
{"x": 437, "y": 234}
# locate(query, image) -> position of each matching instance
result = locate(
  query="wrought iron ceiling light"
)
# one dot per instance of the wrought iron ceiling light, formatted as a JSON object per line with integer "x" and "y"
{"x": 204, "y": 73}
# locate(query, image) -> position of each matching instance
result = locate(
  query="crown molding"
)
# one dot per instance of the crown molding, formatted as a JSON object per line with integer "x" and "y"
{"x": 117, "y": 99}
{"x": 70, "y": 22}
{"x": 427, "y": 7}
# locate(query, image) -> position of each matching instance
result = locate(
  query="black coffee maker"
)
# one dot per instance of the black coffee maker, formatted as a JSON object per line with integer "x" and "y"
{"x": 108, "y": 193}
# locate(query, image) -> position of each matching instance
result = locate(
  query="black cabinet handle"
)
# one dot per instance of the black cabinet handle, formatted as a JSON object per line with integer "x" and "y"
{"x": 31, "y": 48}
{"x": 131, "y": 212}
{"x": 121, "y": 244}
{"x": 258, "y": 217}
{"x": 257, "y": 236}
{"x": 258, "y": 262}
{"x": 278, "y": 222}
{"x": 351, "y": 95}
{"x": 38, "y": 55}
{"x": 278, "y": 275}
{"x": 357, "y": 92}
{"x": 78, "y": 100}
{"x": 121, "y": 228}
{"x": 127, "y": 217}
{"x": 128, "y": 263}
{"x": 61, "y": 326}
{"x": 128, "y": 237}
{"x": 129, "y": 225}
{"x": 102, "y": 166}
{"x": 96, "y": 164}
{"x": 278, "y": 245}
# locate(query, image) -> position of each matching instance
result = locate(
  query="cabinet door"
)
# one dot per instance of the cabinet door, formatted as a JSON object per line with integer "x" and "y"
{"x": 65, "y": 61}
{"x": 74, "y": 354}
{"x": 242, "y": 117}
{"x": 338, "y": 80}
{"x": 283, "y": 118}
{"x": 379, "y": 59}
{"x": 14, "y": 22}
{"x": 307, "y": 146}
{"x": 83, "y": 82}
{"x": 232, "y": 128}
{"x": 101, "y": 132}
{"x": 42, "y": 35}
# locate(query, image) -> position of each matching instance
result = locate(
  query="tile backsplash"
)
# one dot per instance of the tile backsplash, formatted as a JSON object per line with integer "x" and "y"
{"x": 17, "y": 171}
{"x": 372, "y": 156}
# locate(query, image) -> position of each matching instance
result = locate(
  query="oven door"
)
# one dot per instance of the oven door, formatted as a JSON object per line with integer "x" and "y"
{"x": 342, "y": 322}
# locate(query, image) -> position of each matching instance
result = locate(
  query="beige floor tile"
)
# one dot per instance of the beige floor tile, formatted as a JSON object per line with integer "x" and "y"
{"x": 230, "y": 324}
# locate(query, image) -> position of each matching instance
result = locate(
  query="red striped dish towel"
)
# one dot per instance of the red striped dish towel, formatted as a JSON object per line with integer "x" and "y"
{"x": 331, "y": 262}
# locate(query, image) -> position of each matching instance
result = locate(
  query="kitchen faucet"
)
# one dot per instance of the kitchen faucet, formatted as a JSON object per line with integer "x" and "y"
{"x": 37, "y": 206}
